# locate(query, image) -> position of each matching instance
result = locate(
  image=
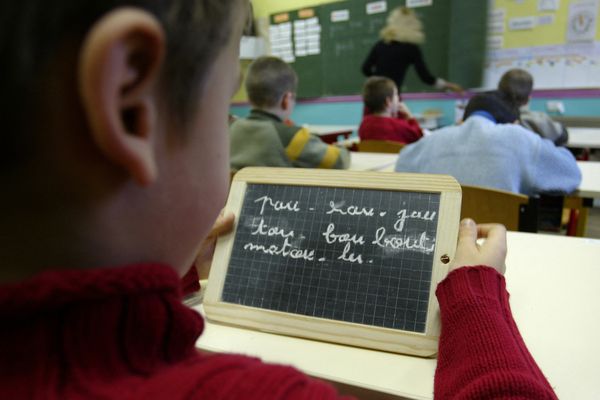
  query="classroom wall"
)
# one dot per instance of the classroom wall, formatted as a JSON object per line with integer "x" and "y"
{"x": 263, "y": 8}
{"x": 348, "y": 110}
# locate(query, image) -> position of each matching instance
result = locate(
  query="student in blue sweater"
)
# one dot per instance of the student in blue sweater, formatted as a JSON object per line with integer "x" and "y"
{"x": 488, "y": 149}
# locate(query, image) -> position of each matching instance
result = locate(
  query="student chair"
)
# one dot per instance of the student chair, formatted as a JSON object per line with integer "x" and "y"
{"x": 380, "y": 146}
{"x": 515, "y": 211}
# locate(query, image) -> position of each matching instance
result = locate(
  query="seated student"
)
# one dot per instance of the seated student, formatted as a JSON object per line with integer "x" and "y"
{"x": 387, "y": 118}
{"x": 516, "y": 85}
{"x": 264, "y": 138}
{"x": 487, "y": 149}
{"x": 116, "y": 155}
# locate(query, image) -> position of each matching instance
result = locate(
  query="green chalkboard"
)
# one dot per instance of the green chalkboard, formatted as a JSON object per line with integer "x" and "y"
{"x": 454, "y": 49}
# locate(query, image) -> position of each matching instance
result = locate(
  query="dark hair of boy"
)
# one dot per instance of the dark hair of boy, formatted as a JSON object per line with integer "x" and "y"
{"x": 31, "y": 36}
{"x": 494, "y": 104}
{"x": 516, "y": 84}
{"x": 268, "y": 79}
{"x": 376, "y": 91}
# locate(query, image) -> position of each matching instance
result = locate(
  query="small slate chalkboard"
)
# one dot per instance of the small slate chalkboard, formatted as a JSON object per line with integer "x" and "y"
{"x": 350, "y": 257}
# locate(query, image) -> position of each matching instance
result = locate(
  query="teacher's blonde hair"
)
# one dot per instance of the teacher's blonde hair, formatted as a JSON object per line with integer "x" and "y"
{"x": 403, "y": 25}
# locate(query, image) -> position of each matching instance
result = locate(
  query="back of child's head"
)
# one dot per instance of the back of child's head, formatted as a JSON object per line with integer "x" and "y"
{"x": 268, "y": 79}
{"x": 376, "y": 92}
{"x": 493, "y": 104}
{"x": 38, "y": 37}
{"x": 516, "y": 84}
{"x": 109, "y": 107}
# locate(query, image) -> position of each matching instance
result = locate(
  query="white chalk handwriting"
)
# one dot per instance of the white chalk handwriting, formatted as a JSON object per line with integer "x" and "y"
{"x": 277, "y": 205}
{"x": 350, "y": 210}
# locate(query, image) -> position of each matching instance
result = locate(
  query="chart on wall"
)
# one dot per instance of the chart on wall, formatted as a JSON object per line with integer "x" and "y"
{"x": 557, "y": 41}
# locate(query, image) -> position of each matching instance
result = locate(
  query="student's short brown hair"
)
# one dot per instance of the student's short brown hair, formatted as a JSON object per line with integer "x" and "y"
{"x": 516, "y": 85}
{"x": 376, "y": 91}
{"x": 33, "y": 33}
{"x": 268, "y": 79}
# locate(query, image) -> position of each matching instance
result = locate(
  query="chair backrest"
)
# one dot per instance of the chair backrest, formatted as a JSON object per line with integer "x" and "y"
{"x": 380, "y": 146}
{"x": 513, "y": 210}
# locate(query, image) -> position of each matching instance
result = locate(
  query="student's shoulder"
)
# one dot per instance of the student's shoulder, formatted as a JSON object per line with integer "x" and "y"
{"x": 518, "y": 134}
{"x": 244, "y": 125}
{"x": 288, "y": 132}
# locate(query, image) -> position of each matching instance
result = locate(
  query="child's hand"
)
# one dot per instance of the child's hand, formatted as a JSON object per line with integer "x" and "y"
{"x": 454, "y": 87}
{"x": 222, "y": 225}
{"x": 404, "y": 111}
{"x": 492, "y": 252}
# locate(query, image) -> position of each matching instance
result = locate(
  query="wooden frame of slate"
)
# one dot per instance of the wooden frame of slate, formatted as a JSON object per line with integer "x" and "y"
{"x": 341, "y": 256}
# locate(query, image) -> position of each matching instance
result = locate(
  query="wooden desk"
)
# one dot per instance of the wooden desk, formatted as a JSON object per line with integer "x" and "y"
{"x": 364, "y": 161}
{"x": 553, "y": 281}
{"x": 582, "y": 199}
{"x": 584, "y": 138}
{"x": 590, "y": 170}
{"x": 590, "y": 179}
{"x": 330, "y": 133}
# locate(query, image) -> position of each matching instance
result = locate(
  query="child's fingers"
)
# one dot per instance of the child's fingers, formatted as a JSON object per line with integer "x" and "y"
{"x": 495, "y": 235}
{"x": 494, "y": 248}
{"x": 467, "y": 235}
{"x": 485, "y": 230}
{"x": 223, "y": 224}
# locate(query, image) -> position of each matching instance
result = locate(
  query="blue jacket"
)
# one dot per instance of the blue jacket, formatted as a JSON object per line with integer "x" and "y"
{"x": 503, "y": 156}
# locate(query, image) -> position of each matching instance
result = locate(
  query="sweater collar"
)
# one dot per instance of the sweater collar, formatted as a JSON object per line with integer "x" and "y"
{"x": 104, "y": 322}
{"x": 260, "y": 114}
{"x": 484, "y": 114}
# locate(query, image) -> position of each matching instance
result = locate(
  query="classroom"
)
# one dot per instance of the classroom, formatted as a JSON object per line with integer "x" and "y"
{"x": 300, "y": 199}
{"x": 326, "y": 43}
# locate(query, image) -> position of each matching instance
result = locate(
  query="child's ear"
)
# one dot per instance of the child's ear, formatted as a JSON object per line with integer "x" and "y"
{"x": 119, "y": 68}
{"x": 389, "y": 101}
{"x": 286, "y": 101}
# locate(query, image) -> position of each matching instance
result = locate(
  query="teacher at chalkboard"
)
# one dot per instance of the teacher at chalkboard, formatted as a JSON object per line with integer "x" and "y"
{"x": 398, "y": 49}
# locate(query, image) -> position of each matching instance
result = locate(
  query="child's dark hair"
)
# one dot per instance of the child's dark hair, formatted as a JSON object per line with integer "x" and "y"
{"x": 376, "y": 91}
{"x": 35, "y": 33}
{"x": 516, "y": 85}
{"x": 494, "y": 104}
{"x": 268, "y": 79}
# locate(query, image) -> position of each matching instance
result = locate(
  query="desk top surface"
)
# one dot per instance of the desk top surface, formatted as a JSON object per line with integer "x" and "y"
{"x": 331, "y": 129}
{"x": 584, "y": 138}
{"x": 590, "y": 179}
{"x": 555, "y": 301}
{"x": 364, "y": 161}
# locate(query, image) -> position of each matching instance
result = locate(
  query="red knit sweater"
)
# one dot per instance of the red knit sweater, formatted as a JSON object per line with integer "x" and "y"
{"x": 374, "y": 127}
{"x": 123, "y": 333}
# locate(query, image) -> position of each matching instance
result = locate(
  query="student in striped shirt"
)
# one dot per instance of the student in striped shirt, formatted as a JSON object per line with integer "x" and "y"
{"x": 264, "y": 138}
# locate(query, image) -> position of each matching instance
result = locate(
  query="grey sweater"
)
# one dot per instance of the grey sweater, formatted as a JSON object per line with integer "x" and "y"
{"x": 263, "y": 139}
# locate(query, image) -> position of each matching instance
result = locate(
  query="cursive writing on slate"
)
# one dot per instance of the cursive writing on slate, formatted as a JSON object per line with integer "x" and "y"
{"x": 392, "y": 238}
{"x": 277, "y": 205}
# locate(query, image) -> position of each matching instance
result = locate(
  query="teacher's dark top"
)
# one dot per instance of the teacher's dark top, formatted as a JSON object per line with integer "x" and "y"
{"x": 393, "y": 59}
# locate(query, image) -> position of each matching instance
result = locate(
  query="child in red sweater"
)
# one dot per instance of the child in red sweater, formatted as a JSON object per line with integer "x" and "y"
{"x": 386, "y": 117}
{"x": 114, "y": 119}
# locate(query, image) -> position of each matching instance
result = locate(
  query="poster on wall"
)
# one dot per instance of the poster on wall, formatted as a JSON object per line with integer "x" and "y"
{"x": 418, "y": 3}
{"x": 340, "y": 15}
{"x": 521, "y": 23}
{"x": 376, "y": 7}
{"x": 280, "y": 37}
{"x": 548, "y": 5}
{"x": 582, "y": 21}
